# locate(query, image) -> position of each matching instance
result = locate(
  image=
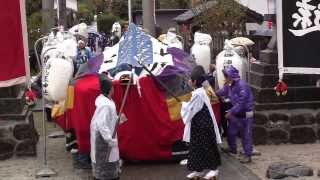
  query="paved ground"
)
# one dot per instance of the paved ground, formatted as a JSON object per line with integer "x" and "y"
{"x": 304, "y": 154}
{"x": 19, "y": 168}
{"x": 230, "y": 170}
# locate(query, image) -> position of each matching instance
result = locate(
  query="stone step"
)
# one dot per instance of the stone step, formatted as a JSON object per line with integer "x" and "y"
{"x": 264, "y": 68}
{"x": 12, "y": 91}
{"x": 295, "y": 94}
{"x": 18, "y": 137}
{"x": 263, "y": 80}
{"x": 12, "y": 105}
{"x": 17, "y": 117}
{"x": 292, "y": 80}
{"x": 298, "y": 125}
{"x": 268, "y": 56}
{"x": 287, "y": 105}
{"x": 28, "y": 119}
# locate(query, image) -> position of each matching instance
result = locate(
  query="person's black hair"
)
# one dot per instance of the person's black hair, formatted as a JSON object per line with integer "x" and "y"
{"x": 198, "y": 75}
{"x": 105, "y": 84}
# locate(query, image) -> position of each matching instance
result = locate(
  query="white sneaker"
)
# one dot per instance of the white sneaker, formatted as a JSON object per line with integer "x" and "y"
{"x": 184, "y": 162}
{"x": 211, "y": 174}
{"x": 194, "y": 174}
{"x": 74, "y": 151}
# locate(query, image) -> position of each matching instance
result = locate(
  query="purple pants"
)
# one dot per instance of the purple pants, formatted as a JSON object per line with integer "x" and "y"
{"x": 244, "y": 127}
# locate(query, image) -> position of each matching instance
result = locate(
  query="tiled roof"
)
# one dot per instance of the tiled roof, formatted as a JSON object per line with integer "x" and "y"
{"x": 191, "y": 13}
{"x": 194, "y": 12}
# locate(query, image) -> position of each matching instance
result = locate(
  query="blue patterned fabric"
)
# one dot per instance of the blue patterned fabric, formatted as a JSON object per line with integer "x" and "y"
{"x": 136, "y": 46}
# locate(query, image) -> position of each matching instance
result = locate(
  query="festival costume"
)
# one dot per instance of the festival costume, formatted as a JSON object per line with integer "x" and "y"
{"x": 241, "y": 119}
{"x": 102, "y": 126}
{"x": 201, "y": 130}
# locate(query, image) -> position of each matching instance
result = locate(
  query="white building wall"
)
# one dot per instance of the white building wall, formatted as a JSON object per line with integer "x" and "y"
{"x": 260, "y": 6}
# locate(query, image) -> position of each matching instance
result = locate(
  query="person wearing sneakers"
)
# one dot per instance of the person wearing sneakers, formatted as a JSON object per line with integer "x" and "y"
{"x": 240, "y": 116}
{"x": 201, "y": 130}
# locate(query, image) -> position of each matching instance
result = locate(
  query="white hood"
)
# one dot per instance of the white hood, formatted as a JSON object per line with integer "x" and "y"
{"x": 202, "y": 38}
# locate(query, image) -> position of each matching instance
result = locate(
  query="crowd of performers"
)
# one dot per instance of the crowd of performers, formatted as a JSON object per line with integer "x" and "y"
{"x": 202, "y": 133}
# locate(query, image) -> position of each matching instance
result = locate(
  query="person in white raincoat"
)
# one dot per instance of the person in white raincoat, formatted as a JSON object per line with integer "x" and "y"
{"x": 102, "y": 127}
{"x": 201, "y": 130}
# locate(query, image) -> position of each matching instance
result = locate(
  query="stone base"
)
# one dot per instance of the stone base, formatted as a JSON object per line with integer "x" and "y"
{"x": 13, "y": 105}
{"x": 18, "y": 137}
{"x": 269, "y": 56}
{"x": 12, "y": 91}
{"x": 287, "y": 105}
{"x": 298, "y": 126}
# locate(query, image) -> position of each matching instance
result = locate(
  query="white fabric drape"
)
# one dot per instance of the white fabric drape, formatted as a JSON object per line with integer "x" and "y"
{"x": 103, "y": 122}
{"x": 189, "y": 109}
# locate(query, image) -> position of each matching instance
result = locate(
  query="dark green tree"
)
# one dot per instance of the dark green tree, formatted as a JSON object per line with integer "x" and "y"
{"x": 100, "y": 6}
{"x": 85, "y": 12}
{"x": 120, "y": 9}
{"x": 136, "y": 4}
{"x": 105, "y": 22}
{"x": 225, "y": 15}
{"x": 34, "y": 21}
{"x": 32, "y": 6}
{"x": 174, "y": 4}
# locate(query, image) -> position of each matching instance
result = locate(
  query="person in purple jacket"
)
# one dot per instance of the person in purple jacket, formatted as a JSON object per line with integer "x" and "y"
{"x": 240, "y": 116}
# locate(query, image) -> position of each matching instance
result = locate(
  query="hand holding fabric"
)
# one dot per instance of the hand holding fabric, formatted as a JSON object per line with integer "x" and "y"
{"x": 123, "y": 118}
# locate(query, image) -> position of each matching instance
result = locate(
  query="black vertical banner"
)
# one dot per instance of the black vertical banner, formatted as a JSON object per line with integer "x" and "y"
{"x": 301, "y": 33}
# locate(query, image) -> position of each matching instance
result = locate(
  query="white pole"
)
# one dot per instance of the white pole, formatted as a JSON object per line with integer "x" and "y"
{"x": 279, "y": 29}
{"x": 154, "y": 12}
{"x": 58, "y": 11}
{"x": 129, "y": 11}
{"x": 45, "y": 171}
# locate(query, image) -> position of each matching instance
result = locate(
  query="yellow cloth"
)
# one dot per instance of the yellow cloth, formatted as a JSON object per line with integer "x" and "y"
{"x": 70, "y": 97}
{"x": 174, "y": 106}
{"x": 58, "y": 109}
{"x": 212, "y": 95}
